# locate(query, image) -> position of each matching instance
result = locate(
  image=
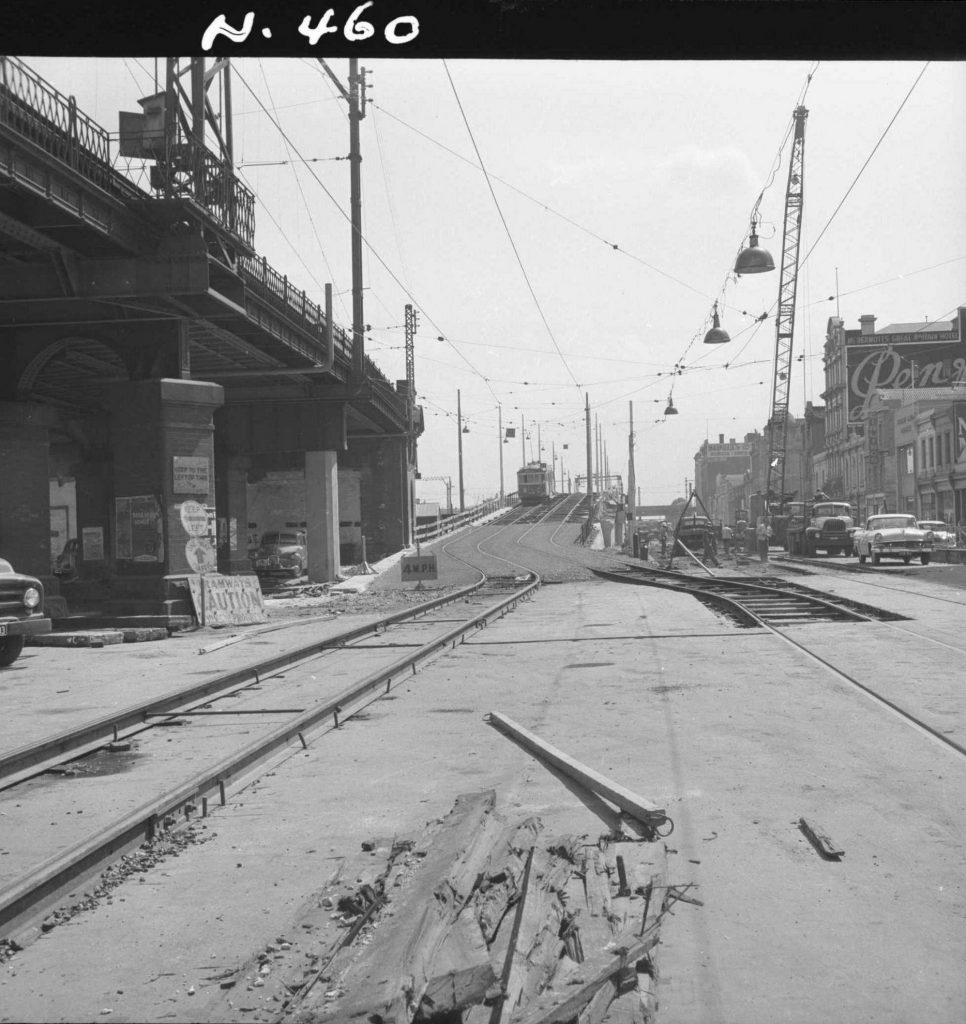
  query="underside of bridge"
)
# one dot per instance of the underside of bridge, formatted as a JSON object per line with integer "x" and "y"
{"x": 167, "y": 397}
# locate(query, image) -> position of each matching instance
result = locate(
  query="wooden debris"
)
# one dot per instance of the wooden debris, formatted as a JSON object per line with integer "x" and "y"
{"x": 498, "y": 925}
{"x": 503, "y": 874}
{"x": 463, "y": 973}
{"x": 395, "y": 970}
{"x": 598, "y": 971}
{"x": 535, "y": 944}
{"x": 626, "y": 800}
{"x": 825, "y": 846}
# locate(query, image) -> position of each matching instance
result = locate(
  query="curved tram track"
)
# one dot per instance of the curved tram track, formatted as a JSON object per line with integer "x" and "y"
{"x": 775, "y": 605}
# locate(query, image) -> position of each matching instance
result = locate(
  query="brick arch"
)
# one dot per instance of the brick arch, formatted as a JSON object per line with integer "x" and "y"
{"x": 72, "y": 373}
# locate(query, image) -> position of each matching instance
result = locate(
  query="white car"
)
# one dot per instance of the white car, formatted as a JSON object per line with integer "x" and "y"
{"x": 944, "y": 535}
{"x": 893, "y": 535}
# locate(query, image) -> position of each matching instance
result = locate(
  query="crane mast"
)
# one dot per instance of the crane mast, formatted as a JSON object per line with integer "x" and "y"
{"x": 778, "y": 420}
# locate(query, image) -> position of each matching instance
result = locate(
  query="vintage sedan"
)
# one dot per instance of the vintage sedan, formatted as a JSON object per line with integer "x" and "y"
{"x": 21, "y": 611}
{"x": 893, "y": 535}
{"x": 282, "y": 554}
{"x": 943, "y": 534}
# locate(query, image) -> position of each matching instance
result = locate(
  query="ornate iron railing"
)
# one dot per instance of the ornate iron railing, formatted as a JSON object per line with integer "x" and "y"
{"x": 35, "y": 110}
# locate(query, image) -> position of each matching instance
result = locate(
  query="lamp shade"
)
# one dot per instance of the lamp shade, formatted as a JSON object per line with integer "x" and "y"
{"x": 753, "y": 260}
{"x": 670, "y": 410}
{"x": 717, "y": 335}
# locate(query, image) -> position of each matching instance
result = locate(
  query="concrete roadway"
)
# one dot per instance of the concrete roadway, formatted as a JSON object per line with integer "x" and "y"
{"x": 736, "y": 733}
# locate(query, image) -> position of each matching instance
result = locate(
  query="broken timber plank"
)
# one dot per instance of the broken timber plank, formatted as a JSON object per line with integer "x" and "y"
{"x": 503, "y": 874}
{"x": 625, "y": 799}
{"x": 462, "y": 971}
{"x": 598, "y": 970}
{"x": 535, "y": 945}
{"x": 825, "y": 846}
{"x": 392, "y": 975}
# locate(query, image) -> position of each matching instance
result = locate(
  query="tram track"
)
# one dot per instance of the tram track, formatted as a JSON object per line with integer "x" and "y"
{"x": 772, "y": 608}
{"x": 40, "y": 884}
{"x": 278, "y": 697}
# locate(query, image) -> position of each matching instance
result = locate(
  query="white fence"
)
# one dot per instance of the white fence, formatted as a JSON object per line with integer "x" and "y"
{"x": 452, "y": 523}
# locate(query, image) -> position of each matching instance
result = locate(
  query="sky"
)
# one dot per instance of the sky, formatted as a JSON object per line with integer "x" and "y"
{"x": 563, "y": 229}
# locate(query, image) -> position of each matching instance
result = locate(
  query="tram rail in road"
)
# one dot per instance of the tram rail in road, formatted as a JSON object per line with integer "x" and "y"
{"x": 762, "y": 604}
{"x": 22, "y": 901}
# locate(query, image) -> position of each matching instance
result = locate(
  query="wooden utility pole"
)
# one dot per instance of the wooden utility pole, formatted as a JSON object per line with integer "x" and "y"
{"x": 631, "y": 476}
{"x": 500, "y": 441}
{"x": 590, "y": 462}
{"x": 355, "y": 96}
{"x": 459, "y": 438}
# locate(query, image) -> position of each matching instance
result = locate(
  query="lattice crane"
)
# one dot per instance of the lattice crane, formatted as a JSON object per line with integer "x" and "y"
{"x": 785, "y": 323}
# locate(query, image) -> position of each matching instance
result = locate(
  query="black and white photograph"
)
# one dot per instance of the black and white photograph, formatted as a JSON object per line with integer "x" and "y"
{"x": 483, "y": 513}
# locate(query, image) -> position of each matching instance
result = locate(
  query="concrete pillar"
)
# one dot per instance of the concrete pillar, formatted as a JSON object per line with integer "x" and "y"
{"x": 322, "y": 515}
{"x": 385, "y": 494}
{"x": 25, "y": 489}
{"x": 162, "y": 442}
{"x": 231, "y": 496}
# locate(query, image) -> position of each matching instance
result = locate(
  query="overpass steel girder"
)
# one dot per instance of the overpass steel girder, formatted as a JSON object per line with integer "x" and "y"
{"x": 252, "y": 333}
{"x": 97, "y": 216}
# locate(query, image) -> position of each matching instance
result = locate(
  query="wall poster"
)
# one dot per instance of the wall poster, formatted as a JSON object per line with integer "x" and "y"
{"x": 92, "y": 543}
{"x": 138, "y": 529}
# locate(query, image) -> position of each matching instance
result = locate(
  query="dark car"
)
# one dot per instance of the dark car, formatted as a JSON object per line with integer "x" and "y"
{"x": 281, "y": 553}
{"x": 696, "y": 533}
{"x": 21, "y": 612}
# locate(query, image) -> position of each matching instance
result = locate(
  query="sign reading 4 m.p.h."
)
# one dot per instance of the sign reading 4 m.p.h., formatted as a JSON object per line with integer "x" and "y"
{"x": 418, "y": 567}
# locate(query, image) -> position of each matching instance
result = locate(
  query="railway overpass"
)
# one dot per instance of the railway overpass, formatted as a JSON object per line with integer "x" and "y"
{"x": 155, "y": 366}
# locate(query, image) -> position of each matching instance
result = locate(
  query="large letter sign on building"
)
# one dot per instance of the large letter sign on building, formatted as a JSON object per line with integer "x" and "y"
{"x": 902, "y": 359}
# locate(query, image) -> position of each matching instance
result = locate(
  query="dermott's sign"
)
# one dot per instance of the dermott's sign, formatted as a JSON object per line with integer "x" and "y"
{"x": 894, "y": 365}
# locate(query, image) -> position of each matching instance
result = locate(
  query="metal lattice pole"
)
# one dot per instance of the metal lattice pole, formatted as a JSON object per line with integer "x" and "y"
{"x": 778, "y": 420}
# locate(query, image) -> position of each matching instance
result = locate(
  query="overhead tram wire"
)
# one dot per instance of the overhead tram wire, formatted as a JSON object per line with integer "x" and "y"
{"x": 368, "y": 244}
{"x": 776, "y": 166}
{"x": 888, "y": 280}
{"x": 544, "y": 206}
{"x": 866, "y": 164}
{"x": 506, "y": 227}
{"x": 298, "y": 182}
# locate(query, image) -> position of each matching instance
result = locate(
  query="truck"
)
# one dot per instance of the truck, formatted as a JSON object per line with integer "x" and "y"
{"x": 819, "y": 526}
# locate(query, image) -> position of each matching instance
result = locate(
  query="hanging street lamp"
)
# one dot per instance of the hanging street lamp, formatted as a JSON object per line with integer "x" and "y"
{"x": 717, "y": 335}
{"x": 753, "y": 260}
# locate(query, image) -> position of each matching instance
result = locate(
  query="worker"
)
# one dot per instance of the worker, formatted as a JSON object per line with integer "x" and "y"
{"x": 727, "y": 535}
{"x": 763, "y": 533}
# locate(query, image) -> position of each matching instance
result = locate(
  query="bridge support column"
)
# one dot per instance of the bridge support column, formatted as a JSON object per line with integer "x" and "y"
{"x": 231, "y": 496}
{"x": 162, "y": 440}
{"x": 25, "y": 491}
{"x": 384, "y": 472}
{"x": 322, "y": 515}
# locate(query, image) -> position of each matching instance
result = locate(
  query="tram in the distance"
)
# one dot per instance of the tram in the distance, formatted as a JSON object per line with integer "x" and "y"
{"x": 535, "y": 483}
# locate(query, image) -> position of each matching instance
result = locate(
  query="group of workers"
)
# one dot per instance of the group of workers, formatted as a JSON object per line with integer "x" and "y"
{"x": 733, "y": 539}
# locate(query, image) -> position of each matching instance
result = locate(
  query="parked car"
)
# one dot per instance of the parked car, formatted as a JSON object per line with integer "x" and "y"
{"x": 282, "y": 553}
{"x": 943, "y": 534}
{"x": 21, "y": 611}
{"x": 893, "y": 535}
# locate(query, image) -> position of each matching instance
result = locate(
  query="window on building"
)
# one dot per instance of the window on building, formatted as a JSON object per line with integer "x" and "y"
{"x": 922, "y": 454}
